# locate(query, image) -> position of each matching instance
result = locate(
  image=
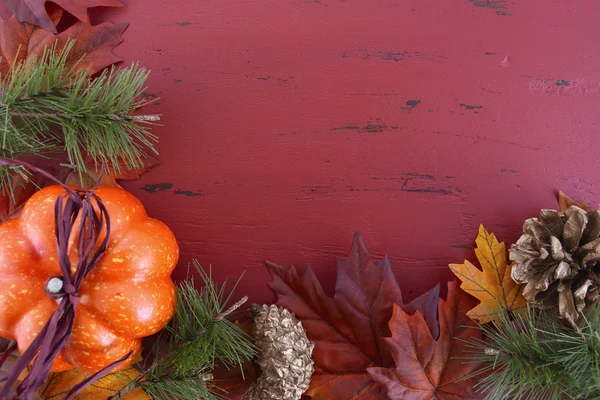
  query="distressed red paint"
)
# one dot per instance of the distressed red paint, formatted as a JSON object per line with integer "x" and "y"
{"x": 289, "y": 124}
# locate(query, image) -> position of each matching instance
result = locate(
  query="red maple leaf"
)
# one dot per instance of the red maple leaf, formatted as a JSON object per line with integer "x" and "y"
{"x": 34, "y": 11}
{"x": 349, "y": 329}
{"x": 428, "y": 368}
{"x": 21, "y": 189}
{"x": 91, "y": 176}
{"x": 19, "y": 41}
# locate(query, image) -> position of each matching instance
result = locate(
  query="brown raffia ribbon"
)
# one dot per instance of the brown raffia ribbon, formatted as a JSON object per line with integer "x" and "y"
{"x": 55, "y": 334}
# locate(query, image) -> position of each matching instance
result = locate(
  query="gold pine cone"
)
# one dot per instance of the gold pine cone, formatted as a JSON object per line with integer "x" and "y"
{"x": 284, "y": 355}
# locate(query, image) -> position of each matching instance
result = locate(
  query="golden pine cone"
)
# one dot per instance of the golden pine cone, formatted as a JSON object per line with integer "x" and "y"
{"x": 284, "y": 355}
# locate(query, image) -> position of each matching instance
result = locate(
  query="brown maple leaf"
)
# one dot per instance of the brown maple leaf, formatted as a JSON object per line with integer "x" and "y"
{"x": 34, "y": 11}
{"x": 233, "y": 382}
{"x": 426, "y": 368}
{"x": 93, "y": 47}
{"x": 348, "y": 329}
{"x": 564, "y": 202}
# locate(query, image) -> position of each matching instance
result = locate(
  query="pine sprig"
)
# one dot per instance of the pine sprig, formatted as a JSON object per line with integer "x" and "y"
{"x": 536, "y": 356}
{"x": 193, "y": 388}
{"x": 47, "y": 104}
{"x": 199, "y": 337}
{"x": 208, "y": 336}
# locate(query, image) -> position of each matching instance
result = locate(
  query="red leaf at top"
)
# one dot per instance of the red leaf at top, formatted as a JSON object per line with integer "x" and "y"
{"x": 34, "y": 11}
{"x": 348, "y": 329}
{"x": 22, "y": 189}
{"x": 426, "y": 368}
{"x": 89, "y": 178}
{"x": 94, "y": 43}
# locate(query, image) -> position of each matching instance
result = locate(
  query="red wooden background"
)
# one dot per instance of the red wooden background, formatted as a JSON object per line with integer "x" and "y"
{"x": 288, "y": 124}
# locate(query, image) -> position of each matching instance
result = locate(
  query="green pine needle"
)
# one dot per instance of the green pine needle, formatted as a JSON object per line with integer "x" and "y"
{"x": 200, "y": 337}
{"x": 47, "y": 104}
{"x": 535, "y": 356}
{"x": 169, "y": 389}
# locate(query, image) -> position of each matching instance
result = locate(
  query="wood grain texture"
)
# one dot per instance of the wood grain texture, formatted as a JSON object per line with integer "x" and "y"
{"x": 289, "y": 124}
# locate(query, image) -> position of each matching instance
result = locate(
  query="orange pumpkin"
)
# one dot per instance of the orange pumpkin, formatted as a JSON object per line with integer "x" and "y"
{"x": 128, "y": 295}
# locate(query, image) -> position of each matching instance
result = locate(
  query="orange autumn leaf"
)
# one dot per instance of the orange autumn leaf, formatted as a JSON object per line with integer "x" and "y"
{"x": 60, "y": 383}
{"x": 564, "y": 202}
{"x": 429, "y": 367}
{"x": 492, "y": 285}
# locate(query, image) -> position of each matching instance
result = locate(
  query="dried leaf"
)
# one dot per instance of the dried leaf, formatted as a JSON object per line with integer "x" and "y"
{"x": 22, "y": 190}
{"x": 91, "y": 176}
{"x": 19, "y": 41}
{"x": 426, "y": 368}
{"x": 492, "y": 285}
{"x": 34, "y": 11}
{"x": 348, "y": 329}
{"x": 11, "y": 358}
{"x": 564, "y": 202}
{"x": 60, "y": 383}
{"x": 235, "y": 381}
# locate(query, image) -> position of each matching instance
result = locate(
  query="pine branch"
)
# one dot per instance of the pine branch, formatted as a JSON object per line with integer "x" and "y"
{"x": 199, "y": 336}
{"x": 47, "y": 104}
{"x": 538, "y": 356}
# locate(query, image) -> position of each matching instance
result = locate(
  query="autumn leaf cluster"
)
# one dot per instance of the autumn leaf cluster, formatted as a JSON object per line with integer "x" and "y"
{"x": 33, "y": 27}
{"x": 369, "y": 343}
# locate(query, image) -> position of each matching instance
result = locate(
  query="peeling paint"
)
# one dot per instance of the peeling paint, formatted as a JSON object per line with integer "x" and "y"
{"x": 461, "y": 246}
{"x": 470, "y": 107}
{"x": 371, "y": 126}
{"x": 157, "y": 187}
{"x": 388, "y": 55}
{"x": 410, "y": 104}
{"x": 488, "y": 3}
{"x": 188, "y": 193}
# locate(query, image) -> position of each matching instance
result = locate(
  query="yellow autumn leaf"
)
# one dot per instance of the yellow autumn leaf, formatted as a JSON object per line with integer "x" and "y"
{"x": 492, "y": 284}
{"x": 61, "y": 382}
